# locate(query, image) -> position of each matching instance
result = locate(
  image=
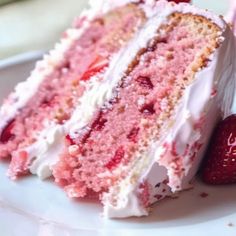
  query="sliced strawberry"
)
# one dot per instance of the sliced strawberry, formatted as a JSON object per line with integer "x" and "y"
{"x": 7, "y": 134}
{"x": 115, "y": 161}
{"x": 145, "y": 82}
{"x": 133, "y": 134}
{"x": 220, "y": 165}
{"x": 95, "y": 67}
{"x": 99, "y": 122}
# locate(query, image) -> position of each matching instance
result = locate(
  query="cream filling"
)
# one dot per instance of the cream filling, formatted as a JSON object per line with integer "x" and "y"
{"x": 46, "y": 151}
{"x": 218, "y": 75}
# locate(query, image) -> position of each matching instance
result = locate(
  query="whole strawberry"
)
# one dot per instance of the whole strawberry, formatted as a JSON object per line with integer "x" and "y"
{"x": 220, "y": 164}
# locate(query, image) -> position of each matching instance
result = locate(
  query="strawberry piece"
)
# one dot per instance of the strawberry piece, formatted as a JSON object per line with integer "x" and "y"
{"x": 220, "y": 165}
{"x": 95, "y": 67}
{"x": 99, "y": 122}
{"x": 69, "y": 140}
{"x": 115, "y": 161}
{"x": 145, "y": 82}
{"x": 133, "y": 134}
{"x": 7, "y": 132}
{"x": 148, "y": 109}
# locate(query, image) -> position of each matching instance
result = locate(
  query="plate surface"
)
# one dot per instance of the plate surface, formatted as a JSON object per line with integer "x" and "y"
{"x": 31, "y": 207}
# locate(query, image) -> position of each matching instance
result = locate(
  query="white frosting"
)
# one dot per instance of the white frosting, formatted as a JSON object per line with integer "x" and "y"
{"x": 45, "y": 153}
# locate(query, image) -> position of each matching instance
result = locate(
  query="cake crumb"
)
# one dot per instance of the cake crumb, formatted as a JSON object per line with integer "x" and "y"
{"x": 204, "y": 195}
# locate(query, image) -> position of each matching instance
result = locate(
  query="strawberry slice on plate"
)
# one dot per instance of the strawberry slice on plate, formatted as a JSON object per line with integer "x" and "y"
{"x": 220, "y": 165}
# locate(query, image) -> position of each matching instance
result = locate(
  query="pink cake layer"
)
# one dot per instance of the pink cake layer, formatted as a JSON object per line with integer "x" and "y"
{"x": 123, "y": 126}
{"x": 57, "y": 96}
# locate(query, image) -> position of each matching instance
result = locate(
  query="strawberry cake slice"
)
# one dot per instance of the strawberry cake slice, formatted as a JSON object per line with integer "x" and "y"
{"x": 143, "y": 132}
{"x": 33, "y": 116}
{"x": 231, "y": 15}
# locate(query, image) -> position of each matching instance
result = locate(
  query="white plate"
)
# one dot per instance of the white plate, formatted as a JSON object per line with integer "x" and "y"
{"x": 30, "y": 207}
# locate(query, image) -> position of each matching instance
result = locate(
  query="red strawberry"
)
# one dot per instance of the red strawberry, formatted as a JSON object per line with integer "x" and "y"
{"x": 7, "y": 134}
{"x": 95, "y": 67}
{"x": 220, "y": 165}
{"x": 119, "y": 155}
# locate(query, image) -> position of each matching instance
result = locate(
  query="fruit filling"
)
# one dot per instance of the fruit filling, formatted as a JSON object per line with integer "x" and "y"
{"x": 142, "y": 101}
{"x": 58, "y": 94}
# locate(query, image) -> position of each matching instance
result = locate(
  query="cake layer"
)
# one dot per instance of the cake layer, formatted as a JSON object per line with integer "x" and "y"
{"x": 57, "y": 95}
{"x": 134, "y": 140}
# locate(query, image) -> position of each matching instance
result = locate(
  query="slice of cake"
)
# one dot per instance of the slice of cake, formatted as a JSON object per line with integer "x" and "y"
{"x": 149, "y": 123}
{"x": 33, "y": 116}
